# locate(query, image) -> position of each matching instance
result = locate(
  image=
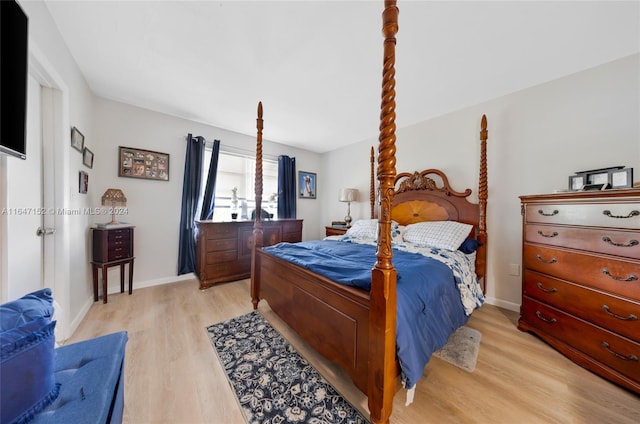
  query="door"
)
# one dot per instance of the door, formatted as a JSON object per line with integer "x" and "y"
{"x": 29, "y": 219}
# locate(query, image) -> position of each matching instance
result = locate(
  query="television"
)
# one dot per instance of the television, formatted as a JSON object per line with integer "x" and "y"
{"x": 14, "y": 54}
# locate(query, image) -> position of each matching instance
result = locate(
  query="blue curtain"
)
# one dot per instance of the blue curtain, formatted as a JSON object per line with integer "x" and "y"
{"x": 286, "y": 187}
{"x": 209, "y": 197}
{"x": 190, "y": 195}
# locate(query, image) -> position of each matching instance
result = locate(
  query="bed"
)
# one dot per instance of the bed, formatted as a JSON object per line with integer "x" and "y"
{"x": 349, "y": 325}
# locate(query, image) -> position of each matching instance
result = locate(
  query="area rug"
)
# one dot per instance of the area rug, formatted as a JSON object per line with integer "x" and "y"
{"x": 273, "y": 383}
{"x": 462, "y": 348}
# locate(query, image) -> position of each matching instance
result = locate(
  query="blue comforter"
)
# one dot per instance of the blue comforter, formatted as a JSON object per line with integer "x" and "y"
{"x": 429, "y": 308}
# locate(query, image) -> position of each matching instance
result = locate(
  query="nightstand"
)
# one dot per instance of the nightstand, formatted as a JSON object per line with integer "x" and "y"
{"x": 111, "y": 247}
{"x": 335, "y": 231}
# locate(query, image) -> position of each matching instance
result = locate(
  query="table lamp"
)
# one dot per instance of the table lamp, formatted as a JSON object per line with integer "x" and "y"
{"x": 113, "y": 197}
{"x": 348, "y": 195}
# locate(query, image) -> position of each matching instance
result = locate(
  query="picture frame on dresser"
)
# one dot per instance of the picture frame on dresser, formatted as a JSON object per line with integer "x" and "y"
{"x": 615, "y": 177}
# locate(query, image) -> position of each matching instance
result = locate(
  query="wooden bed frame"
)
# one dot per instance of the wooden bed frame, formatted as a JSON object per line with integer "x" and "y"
{"x": 349, "y": 326}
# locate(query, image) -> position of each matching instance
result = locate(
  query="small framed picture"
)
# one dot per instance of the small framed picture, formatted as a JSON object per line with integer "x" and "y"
{"x": 622, "y": 178}
{"x": 307, "y": 187}
{"x": 87, "y": 158}
{"x": 77, "y": 139}
{"x": 601, "y": 178}
{"x": 576, "y": 182}
{"x": 83, "y": 182}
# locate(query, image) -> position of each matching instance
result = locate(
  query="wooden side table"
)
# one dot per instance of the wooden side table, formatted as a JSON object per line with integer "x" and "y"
{"x": 111, "y": 247}
{"x": 334, "y": 231}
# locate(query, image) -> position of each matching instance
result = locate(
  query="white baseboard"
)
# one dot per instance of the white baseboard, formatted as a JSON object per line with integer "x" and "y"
{"x": 503, "y": 304}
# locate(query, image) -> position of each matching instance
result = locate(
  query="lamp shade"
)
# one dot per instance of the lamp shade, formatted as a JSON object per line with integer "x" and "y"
{"x": 348, "y": 195}
{"x": 114, "y": 197}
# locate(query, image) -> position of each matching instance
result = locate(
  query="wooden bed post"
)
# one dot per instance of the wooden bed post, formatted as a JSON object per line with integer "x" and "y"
{"x": 382, "y": 312}
{"x": 483, "y": 193}
{"x": 257, "y": 227}
{"x": 372, "y": 185}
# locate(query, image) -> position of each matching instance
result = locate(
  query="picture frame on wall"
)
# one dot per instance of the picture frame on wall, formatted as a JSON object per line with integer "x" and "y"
{"x": 140, "y": 163}
{"x": 83, "y": 182}
{"x": 307, "y": 185}
{"x": 77, "y": 139}
{"x": 87, "y": 158}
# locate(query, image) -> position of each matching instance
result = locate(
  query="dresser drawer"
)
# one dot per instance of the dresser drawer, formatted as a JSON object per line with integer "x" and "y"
{"x": 622, "y": 215}
{"x": 221, "y": 231}
{"x": 291, "y": 226}
{"x": 618, "y": 353}
{"x": 213, "y": 245}
{"x": 119, "y": 236}
{"x": 611, "y": 312}
{"x": 118, "y": 251}
{"x": 616, "y": 276}
{"x": 601, "y": 240}
{"x": 220, "y": 257}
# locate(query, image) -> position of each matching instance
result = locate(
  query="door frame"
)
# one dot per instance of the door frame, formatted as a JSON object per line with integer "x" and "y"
{"x": 47, "y": 76}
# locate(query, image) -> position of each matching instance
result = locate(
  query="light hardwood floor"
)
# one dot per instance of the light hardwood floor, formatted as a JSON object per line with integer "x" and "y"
{"x": 172, "y": 374}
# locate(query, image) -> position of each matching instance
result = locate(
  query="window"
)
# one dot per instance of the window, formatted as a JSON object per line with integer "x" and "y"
{"x": 239, "y": 171}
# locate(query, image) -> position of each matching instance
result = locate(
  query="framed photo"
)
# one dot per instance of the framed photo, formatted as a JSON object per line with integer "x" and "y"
{"x": 87, "y": 157}
{"x": 83, "y": 182}
{"x": 77, "y": 139}
{"x": 576, "y": 182}
{"x": 622, "y": 178}
{"x": 307, "y": 187}
{"x": 603, "y": 178}
{"x": 138, "y": 163}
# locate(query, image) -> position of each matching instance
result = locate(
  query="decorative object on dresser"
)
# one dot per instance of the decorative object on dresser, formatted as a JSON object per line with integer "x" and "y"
{"x": 335, "y": 231}
{"x": 113, "y": 197}
{"x": 348, "y": 195}
{"x": 223, "y": 249}
{"x": 581, "y": 280}
{"x": 111, "y": 247}
{"x": 604, "y": 178}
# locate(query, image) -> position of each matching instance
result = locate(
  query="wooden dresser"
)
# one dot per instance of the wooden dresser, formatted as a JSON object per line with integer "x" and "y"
{"x": 223, "y": 249}
{"x": 581, "y": 279}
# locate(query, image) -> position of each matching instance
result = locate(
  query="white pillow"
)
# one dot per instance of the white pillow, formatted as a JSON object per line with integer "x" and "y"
{"x": 364, "y": 229}
{"x": 441, "y": 234}
{"x": 368, "y": 229}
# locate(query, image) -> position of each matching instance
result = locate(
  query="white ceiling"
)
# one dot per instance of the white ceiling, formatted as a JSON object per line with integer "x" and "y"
{"x": 317, "y": 66}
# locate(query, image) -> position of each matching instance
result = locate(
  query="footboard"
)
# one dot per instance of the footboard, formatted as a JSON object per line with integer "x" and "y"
{"x": 332, "y": 318}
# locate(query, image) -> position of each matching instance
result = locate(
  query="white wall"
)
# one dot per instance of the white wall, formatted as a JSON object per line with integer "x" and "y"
{"x": 537, "y": 138}
{"x": 154, "y": 206}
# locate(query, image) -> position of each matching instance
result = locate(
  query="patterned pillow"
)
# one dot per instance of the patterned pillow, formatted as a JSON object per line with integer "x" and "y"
{"x": 368, "y": 229}
{"x": 364, "y": 229}
{"x": 441, "y": 234}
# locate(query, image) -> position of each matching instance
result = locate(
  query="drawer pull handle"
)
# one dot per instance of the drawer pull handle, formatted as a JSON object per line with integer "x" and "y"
{"x": 613, "y": 243}
{"x": 545, "y": 261}
{"x": 631, "y": 277}
{"x": 618, "y": 355}
{"x": 555, "y": 212}
{"x": 631, "y": 317}
{"x": 550, "y": 320}
{"x": 551, "y": 290}
{"x": 554, "y": 234}
{"x": 631, "y": 214}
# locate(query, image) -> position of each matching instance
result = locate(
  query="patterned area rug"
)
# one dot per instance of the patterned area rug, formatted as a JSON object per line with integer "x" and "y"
{"x": 274, "y": 384}
{"x": 462, "y": 348}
